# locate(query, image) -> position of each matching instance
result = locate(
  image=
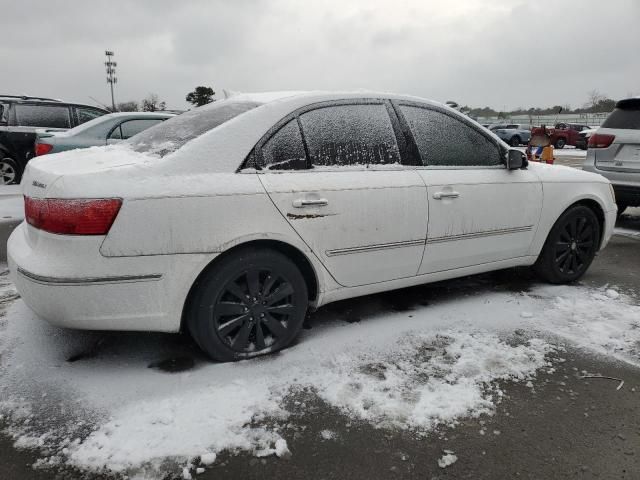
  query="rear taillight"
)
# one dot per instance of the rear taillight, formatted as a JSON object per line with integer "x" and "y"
{"x": 601, "y": 140}
{"x": 43, "y": 148}
{"x": 76, "y": 216}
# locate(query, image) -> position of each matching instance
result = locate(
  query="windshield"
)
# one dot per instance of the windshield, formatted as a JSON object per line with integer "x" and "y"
{"x": 169, "y": 136}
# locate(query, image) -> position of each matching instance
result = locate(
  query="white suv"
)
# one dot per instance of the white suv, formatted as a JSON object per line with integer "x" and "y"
{"x": 614, "y": 152}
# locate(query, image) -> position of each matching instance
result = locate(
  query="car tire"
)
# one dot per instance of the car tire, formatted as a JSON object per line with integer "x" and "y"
{"x": 9, "y": 171}
{"x": 570, "y": 247}
{"x": 560, "y": 143}
{"x": 515, "y": 141}
{"x": 251, "y": 303}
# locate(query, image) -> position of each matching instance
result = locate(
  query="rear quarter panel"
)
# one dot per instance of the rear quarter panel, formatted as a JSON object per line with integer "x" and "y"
{"x": 237, "y": 211}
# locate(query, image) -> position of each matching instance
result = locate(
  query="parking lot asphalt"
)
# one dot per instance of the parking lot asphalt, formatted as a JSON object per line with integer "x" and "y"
{"x": 563, "y": 427}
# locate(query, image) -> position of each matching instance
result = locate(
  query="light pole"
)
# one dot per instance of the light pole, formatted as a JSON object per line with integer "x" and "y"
{"x": 111, "y": 74}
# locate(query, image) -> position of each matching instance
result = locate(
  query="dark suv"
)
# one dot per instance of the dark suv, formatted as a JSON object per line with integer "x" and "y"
{"x": 20, "y": 116}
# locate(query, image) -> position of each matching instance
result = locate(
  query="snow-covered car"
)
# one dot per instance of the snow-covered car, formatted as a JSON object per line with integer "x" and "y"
{"x": 232, "y": 219}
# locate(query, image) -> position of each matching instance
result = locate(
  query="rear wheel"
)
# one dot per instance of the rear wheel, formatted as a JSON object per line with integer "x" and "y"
{"x": 560, "y": 143}
{"x": 570, "y": 247}
{"x": 515, "y": 141}
{"x": 252, "y": 303}
{"x": 9, "y": 172}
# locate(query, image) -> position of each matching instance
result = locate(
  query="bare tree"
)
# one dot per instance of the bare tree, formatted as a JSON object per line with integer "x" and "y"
{"x": 128, "y": 106}
{"x": 152, "y": 103}
{"x": 594, "y": 98}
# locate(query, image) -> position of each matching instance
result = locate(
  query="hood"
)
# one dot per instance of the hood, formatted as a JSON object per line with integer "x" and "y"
{"x": 563, "y": 174}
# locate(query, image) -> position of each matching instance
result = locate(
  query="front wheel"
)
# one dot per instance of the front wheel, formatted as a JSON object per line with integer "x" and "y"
{"x": 515, "y": 141}
{"x": 252, "y": 303}
{"x": 560, "y": 143}
{"x": 570, "y": 247}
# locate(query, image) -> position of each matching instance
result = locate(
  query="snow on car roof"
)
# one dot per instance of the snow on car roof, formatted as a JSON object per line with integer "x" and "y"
{"x": 230, "y": 142}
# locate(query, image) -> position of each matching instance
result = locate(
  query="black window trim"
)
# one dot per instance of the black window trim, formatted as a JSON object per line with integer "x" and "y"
{"x": 255, "y": 155}
{"x": 502, "y": 151}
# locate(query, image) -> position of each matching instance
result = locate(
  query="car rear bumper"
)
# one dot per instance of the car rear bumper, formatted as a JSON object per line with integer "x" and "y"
{"x": 79, "y": 288}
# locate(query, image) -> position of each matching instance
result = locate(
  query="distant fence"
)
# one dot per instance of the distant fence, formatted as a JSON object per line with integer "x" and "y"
{"x": 592, "y": 119}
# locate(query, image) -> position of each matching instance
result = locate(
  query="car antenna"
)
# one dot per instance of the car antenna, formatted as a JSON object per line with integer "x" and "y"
{"x": 558, "y": 115}
{"x": 98, "y": 102}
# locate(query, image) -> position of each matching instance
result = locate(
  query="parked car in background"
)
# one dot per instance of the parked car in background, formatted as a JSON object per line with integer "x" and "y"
{"x": 614, "y": 152}
{"x": 107, "y": 129}
{"x": 230, "y": 220}
{"x": 514, "y": 134}
{"x": 562, "y": 134}
{"x": 583, "y": 138}
{"x": 20, "y": 116}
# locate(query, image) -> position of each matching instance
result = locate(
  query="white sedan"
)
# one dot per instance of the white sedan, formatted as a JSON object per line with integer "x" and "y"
{"x": 232, "y": 220}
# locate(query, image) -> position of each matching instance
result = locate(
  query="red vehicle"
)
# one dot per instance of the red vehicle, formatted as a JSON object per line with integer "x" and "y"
{"x": 563, "y": 133}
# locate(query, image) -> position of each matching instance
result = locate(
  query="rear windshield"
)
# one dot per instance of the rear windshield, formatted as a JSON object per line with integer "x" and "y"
{"x": 172, "y": 134}
{"x": 626, "y": 118}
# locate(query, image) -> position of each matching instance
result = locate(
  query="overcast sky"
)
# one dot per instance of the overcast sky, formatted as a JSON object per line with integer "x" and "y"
{"x": 503, "y": 53}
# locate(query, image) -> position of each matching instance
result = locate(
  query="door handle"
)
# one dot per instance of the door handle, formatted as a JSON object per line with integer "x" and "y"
{"x": 307, "y": 202}
{"x": 441, "y": 195}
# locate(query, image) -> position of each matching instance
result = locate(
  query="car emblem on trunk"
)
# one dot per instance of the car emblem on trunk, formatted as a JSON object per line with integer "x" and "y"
{"x": 38, "y": 184}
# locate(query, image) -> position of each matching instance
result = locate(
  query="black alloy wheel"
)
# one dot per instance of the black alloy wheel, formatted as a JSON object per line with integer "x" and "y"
{"x": 570, "y": 247}
{"x": 250, "y": 304}
{"x": 515, "y": 141}
{"x": 8, "y": 171}
{"x": 560, "y": 143}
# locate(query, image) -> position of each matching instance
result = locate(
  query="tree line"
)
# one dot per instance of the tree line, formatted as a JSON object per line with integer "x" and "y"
{"x": 201, "y": 95}
{"x": 596, "y": 103}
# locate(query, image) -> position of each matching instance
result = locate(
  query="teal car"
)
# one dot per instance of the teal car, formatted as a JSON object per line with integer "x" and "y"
{"x": 104, "y": 130}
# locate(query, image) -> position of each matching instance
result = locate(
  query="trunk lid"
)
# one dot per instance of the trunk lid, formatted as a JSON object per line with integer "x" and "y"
{"x": 623, "y": 155}
{"x": 79, "y": 173}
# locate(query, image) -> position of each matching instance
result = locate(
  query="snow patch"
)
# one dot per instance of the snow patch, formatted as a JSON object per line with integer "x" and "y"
{"x": 447, "y": 459}
{"x": 393, "y": 370}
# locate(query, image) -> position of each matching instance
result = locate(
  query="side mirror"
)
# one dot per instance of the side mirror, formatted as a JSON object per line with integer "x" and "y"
{"x": 516, "y": 160}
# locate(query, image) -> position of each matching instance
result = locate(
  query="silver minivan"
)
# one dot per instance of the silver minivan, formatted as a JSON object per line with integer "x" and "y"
{"x": 614, "y": 152}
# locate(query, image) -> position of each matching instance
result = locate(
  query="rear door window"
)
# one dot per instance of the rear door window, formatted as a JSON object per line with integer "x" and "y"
{"x": 51, "y": 116}
{"x": 345, "y": 135}
{"x": 285, "y": 150}
{"x": 85, "y": 114}
{"x": 443, "y": 140}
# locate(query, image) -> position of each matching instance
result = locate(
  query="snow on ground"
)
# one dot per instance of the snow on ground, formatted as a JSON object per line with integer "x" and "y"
{"x": 413, "y": 370}
{"x": 11, "y": 202}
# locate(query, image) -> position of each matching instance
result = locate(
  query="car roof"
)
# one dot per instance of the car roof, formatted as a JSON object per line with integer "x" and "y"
{"x": 157, "y": 114}
{"x": 233, "y": 139}
{"x": 17, "y": 98}
{"x": 322, "y": 96}
{"x": 26, "y": 100}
